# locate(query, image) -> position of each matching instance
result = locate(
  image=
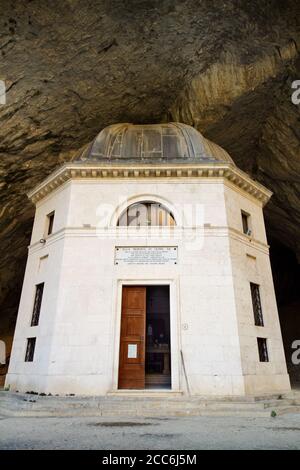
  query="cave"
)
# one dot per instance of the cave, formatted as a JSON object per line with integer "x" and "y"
{"x": 286, "y": 274}
{"x": 228, "y": 69}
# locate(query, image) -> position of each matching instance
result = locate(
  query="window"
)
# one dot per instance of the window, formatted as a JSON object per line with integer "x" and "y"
{"x": 245, "y": 223}
{"x": 262, "y": 349}
{"x": 146, "y": 213}
{"x": 50, "y": 220}
{"x": 39, "y": 289}
{"x": 256, "y": 303}
{"x": 30, "y": 349}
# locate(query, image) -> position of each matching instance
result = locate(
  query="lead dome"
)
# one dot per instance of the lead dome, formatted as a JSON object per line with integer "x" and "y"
{"x": 153, "y": 142}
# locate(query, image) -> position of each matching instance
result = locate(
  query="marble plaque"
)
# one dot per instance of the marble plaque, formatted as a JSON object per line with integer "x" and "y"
{"x": 146, "y": 255}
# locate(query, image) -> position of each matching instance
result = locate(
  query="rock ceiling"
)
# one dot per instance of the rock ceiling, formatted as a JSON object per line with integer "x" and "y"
{"x": 73, "y": 67}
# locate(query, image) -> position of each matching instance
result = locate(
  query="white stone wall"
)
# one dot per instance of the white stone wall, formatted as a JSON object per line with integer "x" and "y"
{"x": 78, "y": 334}
{"x": 251, "y": 263}
{"x": 57, "y": 201}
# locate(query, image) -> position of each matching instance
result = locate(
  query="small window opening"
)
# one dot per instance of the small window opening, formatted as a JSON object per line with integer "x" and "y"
{"x": 37, "y": 304}
{"x": 50, "y": 219}
{"x": 246, "y": 223}
{"x": 262, "y": 349}
{"x": 30, "y": 349}
{"x": 256, "y": 303}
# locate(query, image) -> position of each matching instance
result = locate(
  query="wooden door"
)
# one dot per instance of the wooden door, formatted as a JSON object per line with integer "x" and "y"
{"x": 132, "y": 340}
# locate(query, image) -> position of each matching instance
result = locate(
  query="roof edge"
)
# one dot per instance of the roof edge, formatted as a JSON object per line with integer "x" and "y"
{"x": 98, "y": 170}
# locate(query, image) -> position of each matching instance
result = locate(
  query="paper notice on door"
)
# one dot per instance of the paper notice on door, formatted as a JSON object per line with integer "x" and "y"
{"x": 132, "y": 351}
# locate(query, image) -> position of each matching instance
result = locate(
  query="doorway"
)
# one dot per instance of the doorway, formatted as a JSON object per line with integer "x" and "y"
{"x": 145, "y": 346}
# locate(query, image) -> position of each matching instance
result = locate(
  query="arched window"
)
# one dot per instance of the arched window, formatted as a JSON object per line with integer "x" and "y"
{"x": 146, "y": 213}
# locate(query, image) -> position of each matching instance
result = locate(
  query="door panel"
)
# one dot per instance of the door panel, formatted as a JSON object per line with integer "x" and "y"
{"x": 132, "y": 341}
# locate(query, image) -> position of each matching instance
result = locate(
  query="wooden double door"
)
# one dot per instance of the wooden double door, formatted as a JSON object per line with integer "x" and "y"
{"x": 132, "y": 341}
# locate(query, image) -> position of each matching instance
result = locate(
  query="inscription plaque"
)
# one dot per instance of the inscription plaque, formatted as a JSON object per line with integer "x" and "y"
{"x": 146, "y": 255}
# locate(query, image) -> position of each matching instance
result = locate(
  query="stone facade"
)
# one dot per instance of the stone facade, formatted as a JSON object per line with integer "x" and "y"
{"x": 213, "y": 335}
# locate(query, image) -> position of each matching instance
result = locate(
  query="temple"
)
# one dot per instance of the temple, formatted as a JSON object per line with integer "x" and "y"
{"x": 148, "y": 269}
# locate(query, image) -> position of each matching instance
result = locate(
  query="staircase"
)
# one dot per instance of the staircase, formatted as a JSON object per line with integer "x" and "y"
{"x": 157, "y": 380}
{"x": 149, "y": 404}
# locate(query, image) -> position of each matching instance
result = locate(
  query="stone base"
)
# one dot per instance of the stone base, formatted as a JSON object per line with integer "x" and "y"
{"x": 97, "y": 386}
{"x": 18, "y": 405}
{"x": 266, "y": 384}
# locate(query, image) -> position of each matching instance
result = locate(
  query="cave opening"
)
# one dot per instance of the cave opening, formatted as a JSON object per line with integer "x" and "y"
{"x": 286, "y": 275}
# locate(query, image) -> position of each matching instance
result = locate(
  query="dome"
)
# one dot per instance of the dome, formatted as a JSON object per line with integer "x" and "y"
{"x": 171, "y": 142}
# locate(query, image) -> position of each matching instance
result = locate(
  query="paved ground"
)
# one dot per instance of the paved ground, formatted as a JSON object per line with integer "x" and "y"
{"x": 153, "y": 433}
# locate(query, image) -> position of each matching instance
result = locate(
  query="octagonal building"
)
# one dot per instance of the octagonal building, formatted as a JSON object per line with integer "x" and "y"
{"x": 148, "y": 268}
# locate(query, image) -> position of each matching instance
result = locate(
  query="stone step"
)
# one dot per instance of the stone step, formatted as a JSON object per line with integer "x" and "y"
{"x": 152, "y": 394}
{"x": 132, "y": 411}
{"x": 157, "y": 379}
{"x": 282, "y": 410}
{"x": 158, "y": 404}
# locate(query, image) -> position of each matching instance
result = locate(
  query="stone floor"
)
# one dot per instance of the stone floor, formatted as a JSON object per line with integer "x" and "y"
{"x": 282, "y": 432}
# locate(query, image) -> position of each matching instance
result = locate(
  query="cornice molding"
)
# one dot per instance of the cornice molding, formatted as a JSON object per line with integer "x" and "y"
{"x": 166, "y": 235}
{"x": 100, "y": 171}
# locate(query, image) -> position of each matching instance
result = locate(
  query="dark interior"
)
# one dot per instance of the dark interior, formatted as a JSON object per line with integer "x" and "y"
{"x": 286, "y": 275}
{"x": 158, "y": 347}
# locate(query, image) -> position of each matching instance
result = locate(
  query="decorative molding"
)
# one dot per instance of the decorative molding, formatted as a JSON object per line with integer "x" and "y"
{"x": 165, "y": 235}
{"x": 100, "y": 171}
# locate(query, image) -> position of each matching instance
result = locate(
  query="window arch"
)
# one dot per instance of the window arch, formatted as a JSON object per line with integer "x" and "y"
{"x": 146, "y": 214}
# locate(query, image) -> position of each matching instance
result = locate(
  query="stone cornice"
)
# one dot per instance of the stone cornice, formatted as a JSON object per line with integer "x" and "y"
{"x": 82, "y": 170}
{"x": 129, "y": 235}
